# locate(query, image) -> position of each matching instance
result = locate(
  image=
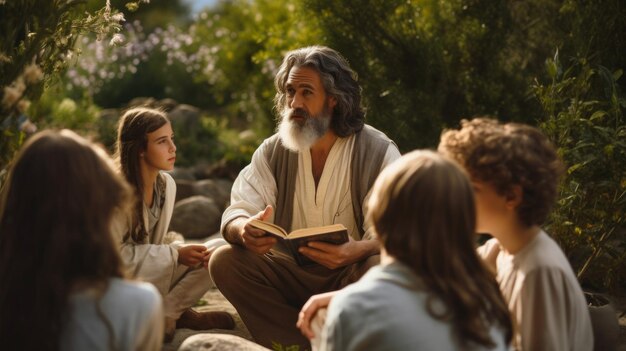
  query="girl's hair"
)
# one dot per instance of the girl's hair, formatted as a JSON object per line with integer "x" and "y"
{"x": 55, "y": 215}
{"x": 132, "y": 140}
{"x": 423, "y": 212}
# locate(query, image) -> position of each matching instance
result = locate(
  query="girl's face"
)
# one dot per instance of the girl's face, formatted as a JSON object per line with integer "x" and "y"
{"x": 160, "y": 151}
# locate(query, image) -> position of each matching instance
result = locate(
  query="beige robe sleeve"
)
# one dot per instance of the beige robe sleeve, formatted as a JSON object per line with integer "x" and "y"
{"x": 253, "y": 189}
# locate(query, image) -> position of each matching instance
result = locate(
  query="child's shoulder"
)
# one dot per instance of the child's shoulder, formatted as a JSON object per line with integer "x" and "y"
{"x": 542, "y": 256}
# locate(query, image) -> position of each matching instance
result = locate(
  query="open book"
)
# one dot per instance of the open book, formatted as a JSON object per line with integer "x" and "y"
{"x": 333, "y": 234}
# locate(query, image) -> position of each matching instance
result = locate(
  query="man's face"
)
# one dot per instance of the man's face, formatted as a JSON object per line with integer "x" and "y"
{"x": 307, "y": 115}
{"x": 305, "y": 94}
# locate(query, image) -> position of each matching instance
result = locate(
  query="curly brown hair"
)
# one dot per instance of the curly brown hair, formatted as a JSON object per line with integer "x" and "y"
{"x": 505, "y": 155}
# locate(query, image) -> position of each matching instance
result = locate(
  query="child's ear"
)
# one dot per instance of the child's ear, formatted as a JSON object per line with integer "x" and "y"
{"x": 514, "y": 197}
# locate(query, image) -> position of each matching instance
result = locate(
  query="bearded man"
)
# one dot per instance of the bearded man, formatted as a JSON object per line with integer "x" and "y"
{"x": 316, "y": 170}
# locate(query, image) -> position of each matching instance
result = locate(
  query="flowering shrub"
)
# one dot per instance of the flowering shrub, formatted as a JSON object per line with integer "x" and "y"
{"x": 36, "y": 43}
{"x": 103, "y": 63}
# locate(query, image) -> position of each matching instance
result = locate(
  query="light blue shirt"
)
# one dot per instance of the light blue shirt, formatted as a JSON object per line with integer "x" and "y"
{"x": 386, "y": 310}
{"x": 133, "y": 309}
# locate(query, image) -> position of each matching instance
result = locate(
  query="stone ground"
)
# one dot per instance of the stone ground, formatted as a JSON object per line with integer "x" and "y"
{"x": 215, "y": 302}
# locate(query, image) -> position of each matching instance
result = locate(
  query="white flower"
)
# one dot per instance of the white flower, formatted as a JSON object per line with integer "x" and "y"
{"x": 117, "y": 39}
{"x": 32, "y": 74}
{"x": 23, "y": 105}
{"x": 118, "y": 17}
{"x": 11, "y": 95}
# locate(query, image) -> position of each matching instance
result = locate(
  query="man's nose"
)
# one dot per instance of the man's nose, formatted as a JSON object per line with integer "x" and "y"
{"x": 296, "y": 102}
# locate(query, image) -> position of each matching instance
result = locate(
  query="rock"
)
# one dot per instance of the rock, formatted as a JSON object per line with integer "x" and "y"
{"x": 218, "y": 190}
{"x": 185, "y": 189}
{"x": 196, "y": 217}
{"x": 180, "y": 173}
{"x": 220, "y": 169}
{"x": 223, "y": 342}
{"x": 185, "y": 119}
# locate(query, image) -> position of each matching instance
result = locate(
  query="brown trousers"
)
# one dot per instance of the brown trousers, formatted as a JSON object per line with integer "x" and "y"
{"x": 269, "y": 290}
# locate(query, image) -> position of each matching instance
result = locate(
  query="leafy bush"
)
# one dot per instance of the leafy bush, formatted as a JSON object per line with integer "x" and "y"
{"x": 424, "y": 65}
{"x": 585, "y": 118}
{"x": 36, "y": 42}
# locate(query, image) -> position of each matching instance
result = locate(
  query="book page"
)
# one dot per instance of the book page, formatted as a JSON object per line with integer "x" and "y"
{"x": 270, "y": 228}
{"x": 299, "y": 233}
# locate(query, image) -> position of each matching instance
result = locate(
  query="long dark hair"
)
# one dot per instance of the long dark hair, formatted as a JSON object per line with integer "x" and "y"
{"x": 338, "y": 79}
{"x": 55, "y": 215}
{"x": 423, "y": 212}
{"x": 132, "y": 140}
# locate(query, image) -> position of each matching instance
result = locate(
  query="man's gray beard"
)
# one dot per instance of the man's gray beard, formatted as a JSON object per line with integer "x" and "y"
{"x": 298, "y": 137}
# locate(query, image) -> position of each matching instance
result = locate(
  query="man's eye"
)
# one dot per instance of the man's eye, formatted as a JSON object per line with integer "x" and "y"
{"x": 291, "y": 92}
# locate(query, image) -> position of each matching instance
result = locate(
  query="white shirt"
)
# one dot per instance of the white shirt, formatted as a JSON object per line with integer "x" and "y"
{"x": 543, "y": 295}
{"x": 255, "y": 188}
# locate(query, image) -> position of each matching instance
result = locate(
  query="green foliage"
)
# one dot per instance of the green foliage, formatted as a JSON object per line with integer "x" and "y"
{"x": 585, "y": 118}
{"x": 36, "y": 41}
{"x": 197, "y": 142}
{"x": 212, "y": 140}
{"x": 423, "y": 64}
{"x": 57, "y": 109}
{"x": 276, "y": 346}
{"x": 249, "y": 39}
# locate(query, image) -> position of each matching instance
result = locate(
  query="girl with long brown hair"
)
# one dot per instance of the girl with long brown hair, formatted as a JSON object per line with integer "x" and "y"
{"x": 431, "y": 291}
{"x": 61, "y": 277}
{"x": 145, "y": 148}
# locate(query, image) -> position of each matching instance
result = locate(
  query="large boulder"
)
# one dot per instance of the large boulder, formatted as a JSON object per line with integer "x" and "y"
{"x": 196, "y": 217}
{"x": 185, "y": 189}
{"x": 180, "y": 173}
{"x": 222, "y": 342}
{"x": 216, "y": 189}
{"x": 185, "y": 119}
{"x": 220, "y": 169}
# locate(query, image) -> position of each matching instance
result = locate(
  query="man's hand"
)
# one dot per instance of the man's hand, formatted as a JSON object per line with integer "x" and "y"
{"x": 309, "y": 310}
{"x": 253, "y": 239}
{"x": 192, "y": 255}
{"x": 334, "y": 256}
